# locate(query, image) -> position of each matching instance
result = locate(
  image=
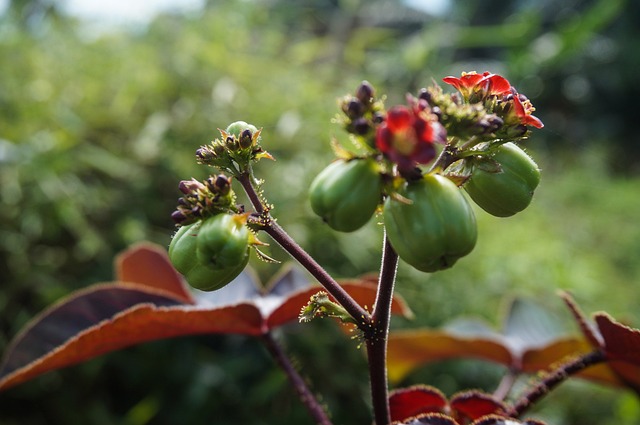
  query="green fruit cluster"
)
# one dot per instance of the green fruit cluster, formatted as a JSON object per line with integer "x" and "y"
{"x": 433, "y": 226}
{"x": 211, "y": 253}
{"x": 508, "y": 190}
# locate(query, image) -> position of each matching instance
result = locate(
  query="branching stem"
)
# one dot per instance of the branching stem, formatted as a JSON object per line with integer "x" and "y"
{"x": 551, "y": 380}
{"x": 277, "y": 233}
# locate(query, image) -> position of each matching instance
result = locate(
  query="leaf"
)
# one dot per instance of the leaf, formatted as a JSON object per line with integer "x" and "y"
{"x": 500, "y": 420}
{"x": 471, "y": 405}
{"x": 622, "y": 348}
{"x": 149, "y": 265}
{"x": 531, "y": 342}
{"x": 410, "y": 349}
{"x": 153, "y": 303}
{"x": 408, "y": 402}
{"x": 429, "y": 419}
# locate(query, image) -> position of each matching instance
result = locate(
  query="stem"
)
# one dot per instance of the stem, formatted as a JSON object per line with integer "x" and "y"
{"x": 308, "y": 399}
{"x": 507, "y": 382}
{"x": 377, "y": 337}
{"x": 448, "y": 156}
{"x": 553, "y": 379}
{"x": 277, "y": 233}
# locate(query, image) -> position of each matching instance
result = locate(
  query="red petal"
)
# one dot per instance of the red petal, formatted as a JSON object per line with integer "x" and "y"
{"x": 399, "y": 118}
{"x": 498, "y": 85}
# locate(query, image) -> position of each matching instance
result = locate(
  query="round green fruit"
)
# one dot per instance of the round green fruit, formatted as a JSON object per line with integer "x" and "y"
{"x": 183, "y": 253}
{"x": 236, "y": 128}
{"x": 346, "y": 193}
{"x": 509, "y": 190}
{"x": 435, "y": 229}
{"x": 223, "y": 241}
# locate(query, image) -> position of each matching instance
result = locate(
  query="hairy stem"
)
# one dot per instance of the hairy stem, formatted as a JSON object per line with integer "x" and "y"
{"x": 376, "y": 339}
{"x": 306, "y": 396}
{"x": 551, "y": 380}
{"x": 277, "y": 233}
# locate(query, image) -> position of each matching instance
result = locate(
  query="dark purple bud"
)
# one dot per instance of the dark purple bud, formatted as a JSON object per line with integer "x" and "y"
{"x": 353, "y": 108}
{"x": 188, "y": 186}
{"x": 424, "y": 94}
{"x": 361, "y": 126}
{"x": 178, "y": 217}
{"x": 246, "y": 139}
{"x": 232, "y": 143}
{"x": 378, "y": 118}
{"x": 365, "y": 93}
{"x": 223, "y": 184}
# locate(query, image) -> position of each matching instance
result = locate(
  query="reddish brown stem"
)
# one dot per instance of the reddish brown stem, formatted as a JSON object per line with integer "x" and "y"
{"x": 306, "y": 396}
{"x": 277, "y": 233}
{"x": 377, "y": 338}
{"x": 554, "y": 378}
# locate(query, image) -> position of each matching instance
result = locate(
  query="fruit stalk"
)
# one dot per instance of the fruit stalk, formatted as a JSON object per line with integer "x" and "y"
{"x": 278, "y": 234}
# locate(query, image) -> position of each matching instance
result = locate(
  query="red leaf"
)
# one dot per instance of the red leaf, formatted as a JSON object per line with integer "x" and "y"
{"x": 152, "y": 304}
{"x": 531, "y": 342}
{"x": 413, "y": 348}
{"x": 622, "y": 348}
{"x": 408, "y": 402}
{"x": 428, "y": 419}
{"x": 471, "y": 405}
{"x": 47, "y": 334}
{"x": 149, "y": 265}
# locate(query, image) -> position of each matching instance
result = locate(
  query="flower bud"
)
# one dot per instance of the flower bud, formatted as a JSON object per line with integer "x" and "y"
{"x": 365, "y": 93}
{"x": 246, "y": 139}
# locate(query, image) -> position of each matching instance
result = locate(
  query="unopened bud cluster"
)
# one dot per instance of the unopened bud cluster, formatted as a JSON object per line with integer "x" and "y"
{"x": 203, "y": 199}
{"x": 234, "y": 151}
{"x": 362, "y": 112}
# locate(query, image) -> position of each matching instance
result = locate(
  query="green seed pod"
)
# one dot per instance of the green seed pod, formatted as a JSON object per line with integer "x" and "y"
{"x": 223, "y": 241}
{"x": 509, "y": 190}
{"x": 184, "y": 255}
{"x": 436, "y": 229}
{"x": 346, "y": 193}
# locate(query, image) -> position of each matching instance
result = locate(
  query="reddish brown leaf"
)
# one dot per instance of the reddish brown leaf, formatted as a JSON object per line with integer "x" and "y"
{"x": 153, "y": 304}
{"x": 622, "y": 348}
{"x": 48, "y": 333}
{"x": 408, "y": 402}
{"x": 413, "y": 348}
{"x": 531, "y": 343}
{"x": 471, "y": 405}
{"x": 585, "y": 325}
{"x": 500, "y": 420}
{"x": 540, "y": 359}
{"x": 429, "y": 419}
{"x": 149, "y": 265}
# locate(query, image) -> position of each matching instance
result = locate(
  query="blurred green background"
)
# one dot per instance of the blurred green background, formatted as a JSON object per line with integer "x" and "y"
{"x": 99, "y": 123}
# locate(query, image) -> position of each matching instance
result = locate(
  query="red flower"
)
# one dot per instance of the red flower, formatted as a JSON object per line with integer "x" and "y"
{"x": 523, "y": 109}
{"x": 476, "y": 87}
{"x": 408, "y": 135}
